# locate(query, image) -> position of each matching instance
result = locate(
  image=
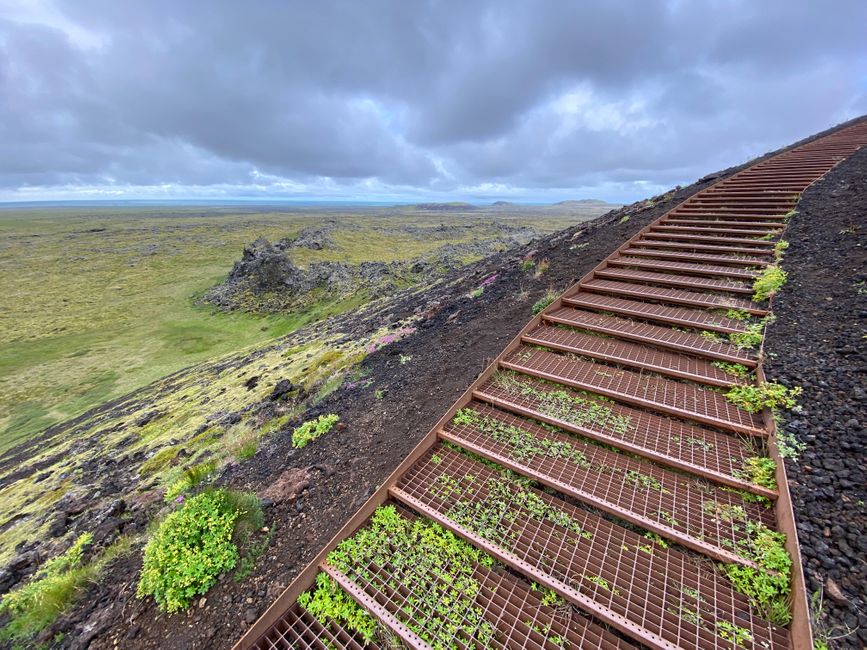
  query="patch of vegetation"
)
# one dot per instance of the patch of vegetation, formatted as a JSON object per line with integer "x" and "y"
{"x": 751, "y": 338}
{"x": 549, "y": 296}
{"x": 624, "y": 219}
{"x": 528, "y": 263}
{"x": 769, "y": 283}
{"x": 542, "y": 267}
{"x": 192, "y": 477}
{"x": 523, "y": 445}
{"x": 566, "y": 405}
{"x": 780, "y": 249}
{"x": 644, "y": 481}
{"x": 758, "y": 470}
{"x": 735, "y": 369}
{"x": 754, "y": 398}
{"x": 436, "y": 565}
{"x": 194, "y": 545}
{"x": 55, "y": 586}
{"x": 738, "y": 314}
{"x": 158, "y": 461}
{"x": 313, "y": 429}
{"x": 477, "y": 292}
{"x": 713, "y": 337}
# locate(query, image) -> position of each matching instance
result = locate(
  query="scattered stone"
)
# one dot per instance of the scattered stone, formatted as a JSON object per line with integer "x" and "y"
{"x": 288, "y": 486}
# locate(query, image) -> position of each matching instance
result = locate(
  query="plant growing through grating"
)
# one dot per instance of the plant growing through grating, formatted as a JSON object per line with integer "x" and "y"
{"x": 769, "y": 283}
{"x": 433, "y": 563}
{"x": 313, "y": 429}
{"x": 758, "y": 470}
{"x": 780, "y": 249}
{"x": 735, "y": 369}
{"x": 523, "y": 445}
{"x": 752, "y": 337}
{"x": 643, "y": 481}
{"x": 754, "y": 398}
{"x": 565, "y": 405}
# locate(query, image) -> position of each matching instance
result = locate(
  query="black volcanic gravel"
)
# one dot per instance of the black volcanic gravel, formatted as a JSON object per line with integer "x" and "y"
{"x": 818, "y": 342}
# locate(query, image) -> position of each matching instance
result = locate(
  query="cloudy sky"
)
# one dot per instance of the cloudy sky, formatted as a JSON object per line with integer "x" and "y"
{"x": 402, "y": 100}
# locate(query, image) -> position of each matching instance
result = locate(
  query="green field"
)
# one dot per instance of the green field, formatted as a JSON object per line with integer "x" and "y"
{"x": 96, "y": 302}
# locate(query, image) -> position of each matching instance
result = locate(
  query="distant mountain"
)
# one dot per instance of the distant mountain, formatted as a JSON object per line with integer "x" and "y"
{"x": 501, "y": 204}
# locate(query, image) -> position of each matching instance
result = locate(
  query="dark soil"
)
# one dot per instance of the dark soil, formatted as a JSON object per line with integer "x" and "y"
{"x": 456, "y": 339}
{"x": 818, "y": 342}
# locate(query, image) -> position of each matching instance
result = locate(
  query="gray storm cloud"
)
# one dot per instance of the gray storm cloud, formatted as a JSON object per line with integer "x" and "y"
{"x": 532, "y": 100}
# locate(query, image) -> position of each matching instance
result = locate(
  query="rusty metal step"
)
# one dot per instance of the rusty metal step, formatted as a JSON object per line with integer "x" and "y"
{"x": 675, "y": 280}
{"x": 674, "y": 228}
{"x": 702, "y": 248}
{"x": 695, "y": 318}
{"x": 740, "y": 241}
{"x": 757, "y": 225}
{"x": 713, "y": 270}
{"x": 296, "y": 629}
{"x": 676, "y": 296}
{"x": 661, "y": 395}
{"x": 664, "y": 337}
{"x": 697, "y": 257}
{"x": 620, "y": 577}
{"x": 709, "y": 454}
{"x": 630, "y": 355}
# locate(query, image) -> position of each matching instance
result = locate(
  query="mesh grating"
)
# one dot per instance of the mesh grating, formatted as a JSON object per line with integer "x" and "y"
{"x": 698, "y": 257}
{"x": 635, "y": 355}
{"x": 674, "y": 280}
{"x": 296, "y": 629}
{"x": 666, "y": 439}
{"x": 704, "y": 248}
{"x": 691, "y": 512}
{"x": 653, "y": 334}
{"x": 652, "y": 311}
{"x": 677, "y": 296}
{"x": 666, "y": 395}
{"x": 651, "y": 586}
{"x": 685, "y": 267}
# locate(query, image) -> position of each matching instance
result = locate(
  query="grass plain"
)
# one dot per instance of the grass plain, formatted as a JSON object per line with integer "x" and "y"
{"x": 98, "y": 301}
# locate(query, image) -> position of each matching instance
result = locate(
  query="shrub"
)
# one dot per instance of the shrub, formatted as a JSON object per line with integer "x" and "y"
{"x": 624, "y": 218}
{"x": 769, "y": 282}
{"x": 768, "y": 394}
{"x": 549, "y": 297}
{"x": 313, "y": 429}
{"x": 528, "y": 264}
{"x": 193, "y": 546}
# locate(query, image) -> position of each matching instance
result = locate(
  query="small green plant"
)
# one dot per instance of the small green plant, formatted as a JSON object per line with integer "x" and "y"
{"x": 193, "y": 546}
{"x": 542, "y": 267}
{"x": 789, "y": 215}
{"x": 713, "y": 337}
{"x": 191, "y": 477}
{"x": 624, "y": 219}
{"x": 405, "y": 359}
{"x": 379, "y": 393}
{"x": 754, "y": 398}
{"x": 476, "y": 293}
{"x": 528, "y": 263}
{"x": 735, "y": 633}
{"x": 780, "y": 249}
{"x": 549, "y": 297}
{"x": 751, "y": 338}
{"x": 313, "y": 429}
{"x": 737, "y": 314}
{"x": 769, "y": 283}
{"x": 758, "y": 470}
{"x": 736, "y": 369}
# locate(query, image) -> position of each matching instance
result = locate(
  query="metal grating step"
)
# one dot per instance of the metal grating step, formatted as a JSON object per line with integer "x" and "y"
{"x": 742, "y": 261}
{"x": 624, "y": 579}
{"x": 296, "y": 629}
{"x": 757, "y": 225}
{"x": 674, "y": 280}
{"x": 653, "y": 334}
{"x": 702, "y": 248}
{"x": 633, "y": 355}
{"x": 438, "y": 603}
{"x": 685, "y": 267}
{"x": 674, "y": 228}
{"x": 660, "y": 313}
{"x": 661, "y": 395}
{"x": 710, "y": 454}
{"x": 743, "y": 241}
{"x": 676, "y": 296}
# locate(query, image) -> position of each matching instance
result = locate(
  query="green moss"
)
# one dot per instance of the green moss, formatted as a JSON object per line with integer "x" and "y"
{"x": 313, "y": 429}
{"x": 159, "y": 460}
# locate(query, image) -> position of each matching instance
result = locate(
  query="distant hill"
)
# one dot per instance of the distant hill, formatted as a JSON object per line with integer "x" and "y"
{"x": 453, "y": 206}
{"x": 582, "y": 203}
